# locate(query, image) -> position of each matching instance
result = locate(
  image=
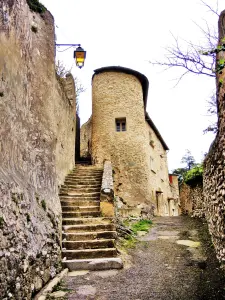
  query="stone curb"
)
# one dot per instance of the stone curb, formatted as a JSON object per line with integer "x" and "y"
{"x": 49, "y": 286}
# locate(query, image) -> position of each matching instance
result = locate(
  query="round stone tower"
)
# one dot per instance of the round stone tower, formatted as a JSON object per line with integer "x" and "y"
{"x": 119, "y": 132}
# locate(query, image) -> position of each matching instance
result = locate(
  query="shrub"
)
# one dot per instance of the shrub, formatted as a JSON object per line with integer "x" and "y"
{"x": 194, "y": 176}
{"x": 36, "y": 6}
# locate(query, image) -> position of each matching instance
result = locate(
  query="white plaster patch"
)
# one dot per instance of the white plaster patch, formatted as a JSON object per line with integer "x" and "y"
{"x": 188, "y": 243}
{"x": 78, "y": 273}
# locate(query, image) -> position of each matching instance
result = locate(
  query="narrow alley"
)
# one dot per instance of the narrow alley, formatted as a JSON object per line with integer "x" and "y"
{"x": 164, "y": 265}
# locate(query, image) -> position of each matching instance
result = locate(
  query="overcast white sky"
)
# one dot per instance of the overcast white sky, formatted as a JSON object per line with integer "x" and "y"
{"x": 129, "y": 33}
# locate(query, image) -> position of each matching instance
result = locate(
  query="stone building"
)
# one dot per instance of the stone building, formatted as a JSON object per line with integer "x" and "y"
{"x": 121, "y": 131}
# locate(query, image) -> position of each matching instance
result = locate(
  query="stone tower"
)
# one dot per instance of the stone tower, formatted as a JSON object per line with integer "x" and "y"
{"x": 119, "y": 130}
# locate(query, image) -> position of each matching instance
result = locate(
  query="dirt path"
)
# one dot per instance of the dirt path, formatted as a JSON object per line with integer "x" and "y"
{"x": 161, "y": 268}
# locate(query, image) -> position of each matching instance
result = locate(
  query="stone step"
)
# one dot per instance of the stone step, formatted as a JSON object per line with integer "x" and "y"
{"x": 82, "y": 195}
{"x": 89, "y": 168}
{"x": 93, "y": 264}
{"x": 79, "y": 190}
{"x": 87, "y": 221}
{"x": 77, "y": 202}
{"x": 86, "y": 172}
{"x": 89, "y": 253}
{"x": 72, "y": 208}
{"x": 84, "y": 236}
{"x": 82, "y": 182}
{"x": 89, "y": 244}
{"x": 76, "y": 185}
{"x": 68, "y": 215}
{"x": 84, "y": 228}
{"x": 84, "y": 178}
{"x": 83, "y": 162}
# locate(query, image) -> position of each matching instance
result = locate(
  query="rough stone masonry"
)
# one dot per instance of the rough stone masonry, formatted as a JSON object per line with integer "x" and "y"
{"x": 214, "y": 168}
{"x": 37, "y": 130}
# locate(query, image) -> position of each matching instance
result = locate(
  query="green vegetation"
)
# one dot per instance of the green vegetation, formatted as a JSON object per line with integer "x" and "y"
{"x": 130, "y": 240}
{"x": 192, "y": 173}
{"x": 142, "y": 225}
{"x": 36, "y": 6}
{"x": 194, "y": 176}
{"x": 60, "y": 286}
{"x": 43, "y": 204}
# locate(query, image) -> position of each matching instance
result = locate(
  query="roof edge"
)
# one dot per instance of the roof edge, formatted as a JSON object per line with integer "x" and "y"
{"x": 142, "y": 78}
{"x": 152, "y": 125}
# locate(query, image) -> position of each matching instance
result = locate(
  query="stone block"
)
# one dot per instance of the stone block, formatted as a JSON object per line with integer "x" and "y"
{"x": 107, "y": 209}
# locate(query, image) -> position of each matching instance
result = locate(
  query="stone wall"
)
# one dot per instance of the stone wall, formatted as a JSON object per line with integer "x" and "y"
{"x": 37, "y": 130}
{"x": 192, "y": 200}
{"x": 86, "y": 138}
{"x": 214, "y": 166}
{"x": 164, "y": 195}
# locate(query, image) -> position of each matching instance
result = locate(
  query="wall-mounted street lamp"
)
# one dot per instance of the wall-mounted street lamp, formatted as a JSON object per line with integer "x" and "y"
{"x": 79, "y": 54}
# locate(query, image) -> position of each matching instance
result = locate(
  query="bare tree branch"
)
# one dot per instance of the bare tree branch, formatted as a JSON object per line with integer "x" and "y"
{"x": 192, "y": 59}
{"x": 61, "y": 72}
{"x": 215, "y": 11}
{"x": 197, "y": 59}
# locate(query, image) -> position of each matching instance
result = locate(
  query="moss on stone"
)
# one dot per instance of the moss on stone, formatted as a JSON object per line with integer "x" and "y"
{"x": 36, "y": 6}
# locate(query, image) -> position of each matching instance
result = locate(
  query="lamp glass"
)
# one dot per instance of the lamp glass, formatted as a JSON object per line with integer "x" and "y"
{"x": 79, "y": 55}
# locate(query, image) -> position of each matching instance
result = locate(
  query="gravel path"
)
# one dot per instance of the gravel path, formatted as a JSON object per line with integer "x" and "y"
{"x": 161, "y": 268}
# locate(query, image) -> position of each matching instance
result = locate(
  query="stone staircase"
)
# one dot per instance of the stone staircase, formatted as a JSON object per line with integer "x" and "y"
{"x": 88, "y": 240}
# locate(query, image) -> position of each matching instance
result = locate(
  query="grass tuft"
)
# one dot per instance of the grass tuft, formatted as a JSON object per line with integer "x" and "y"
{"x": 142, "y": 225}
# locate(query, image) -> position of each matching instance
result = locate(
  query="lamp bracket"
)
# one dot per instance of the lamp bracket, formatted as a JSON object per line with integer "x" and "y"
{"x": 68, "y": 45}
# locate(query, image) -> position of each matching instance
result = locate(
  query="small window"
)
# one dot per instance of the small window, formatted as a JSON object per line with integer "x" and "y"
{"x": 121, "y": 124}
